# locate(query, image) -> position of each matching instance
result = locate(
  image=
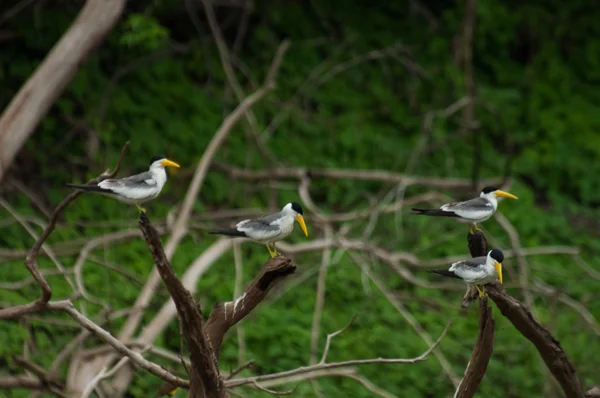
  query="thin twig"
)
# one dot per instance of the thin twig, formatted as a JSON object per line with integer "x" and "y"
{"x": 330, "y": 336}
{"x": 334, "y": 365}
{"x": 273, "y": 392}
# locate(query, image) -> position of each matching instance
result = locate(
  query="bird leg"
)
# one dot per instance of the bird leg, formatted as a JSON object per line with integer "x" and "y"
{"x": 275, "y": 250}
{"x": 272, "y": 253}
{"x": 141, "y": 209}
{"x": 482, "y": 293}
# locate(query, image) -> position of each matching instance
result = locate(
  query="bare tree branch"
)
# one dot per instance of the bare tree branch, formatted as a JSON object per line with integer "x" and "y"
{"x": 30, "y": 260}
{"x": 204, "y": 380}
{"x": 549, "y": 348}
{"x": 482, "y": 352}
{"x": 361, "y": 175}
{"x": 225, "y": 315}
{"x": 334, "y": 365}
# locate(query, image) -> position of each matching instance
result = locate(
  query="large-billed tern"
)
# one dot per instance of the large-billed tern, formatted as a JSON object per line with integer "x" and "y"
{"x": 477, "y": 271}
{"x": 136, "y": 189}
{"x": 471, "y": 211}
{"x": 268, "y": 229}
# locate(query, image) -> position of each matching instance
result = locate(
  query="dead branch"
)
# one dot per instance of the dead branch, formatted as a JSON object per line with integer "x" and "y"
{"x": 47, "y": 83}
{"x": 21, "y": 381}
{"x": 362, "y": 175}
{"x": 225, "y": 315}
{"x": 549, "y": 348}
{"x": 482, "y": 352}
{"x": 134, "y": 356}
{"x": 204, "y": 341}
{"x": 31, "y": 259}
{"x": 204, "y": 380}
{"x": 334, "y": 365}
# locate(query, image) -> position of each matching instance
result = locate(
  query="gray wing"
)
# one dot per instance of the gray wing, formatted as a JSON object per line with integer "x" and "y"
{"x": 470, "y": 270}
{"x": 470, "y": 263}
{"x": 473, "y": 209}
{"x": 260, "y": 228}
{"x": 142, "y": 180}
{"x": 137, "y": 187}
{"x": 477, "y": 204}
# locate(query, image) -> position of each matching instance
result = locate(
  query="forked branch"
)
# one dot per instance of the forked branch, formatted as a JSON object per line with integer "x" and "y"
{"x": 205, "y": 380}
{"x": 226, "y": 314}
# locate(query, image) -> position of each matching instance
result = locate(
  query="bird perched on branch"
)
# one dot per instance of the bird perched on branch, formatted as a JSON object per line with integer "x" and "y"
{"x": 472, "y": 211}
{"x": 136, "y": 189}
{"x": 268, "y": 229}
{"x": 477, "y": 271}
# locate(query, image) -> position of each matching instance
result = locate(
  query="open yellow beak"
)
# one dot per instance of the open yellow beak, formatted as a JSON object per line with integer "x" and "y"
{"x": 300, "y": 220}
{"x": 498, "y": 267}
{"x": 505, "y": 194}
{"x": 169, "y": 163}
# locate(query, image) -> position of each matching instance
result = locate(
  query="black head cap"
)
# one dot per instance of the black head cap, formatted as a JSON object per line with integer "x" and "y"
{"x": 487, "y": 190}
{"x": 497, "y": 255}
{"x": 157, "y": 157}
{"x": 297, "y": 208}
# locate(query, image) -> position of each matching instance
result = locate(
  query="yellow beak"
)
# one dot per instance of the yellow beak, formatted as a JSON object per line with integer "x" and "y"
{"x": 300, "y": 220}
{"x": 498, "y": 267}
{"x": 169, "y": 163}
{"x": 505, "y": 194}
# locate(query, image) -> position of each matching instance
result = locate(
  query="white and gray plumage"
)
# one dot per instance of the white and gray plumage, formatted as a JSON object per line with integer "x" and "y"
{"x": 471, "y": 211}
{"x": 268, "y": 229}
{"x": 136, "y": 189}
{"x": 478, "y": 270}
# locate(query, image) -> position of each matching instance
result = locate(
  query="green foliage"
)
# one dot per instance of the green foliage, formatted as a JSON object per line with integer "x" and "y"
{"x": 144, "y": 32}
{"x": 353, "y": 92}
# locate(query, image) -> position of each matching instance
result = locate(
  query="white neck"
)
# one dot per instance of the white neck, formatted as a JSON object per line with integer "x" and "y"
{"x": 160, "y": 175}
{"x": 492, "y": 198}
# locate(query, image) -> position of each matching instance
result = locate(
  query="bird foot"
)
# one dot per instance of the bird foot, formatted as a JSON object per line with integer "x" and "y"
{"x": 273, "y": 253}
{"x": 482, "y": 293}
{"x": 473, "y": 229}
{"x": 141, "y": 209}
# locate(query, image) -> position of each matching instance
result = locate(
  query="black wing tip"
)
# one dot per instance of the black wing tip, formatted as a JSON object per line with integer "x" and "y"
{"x": 445, "y": 272}
{"x": 90, "y": 188}
{"x": 231, "y": 232}
{"x": 434, "y": 212}
{"x": 419, "y": 211}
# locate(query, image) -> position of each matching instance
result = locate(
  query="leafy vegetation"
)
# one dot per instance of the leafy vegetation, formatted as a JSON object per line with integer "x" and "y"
{"x": 354, "y": 91}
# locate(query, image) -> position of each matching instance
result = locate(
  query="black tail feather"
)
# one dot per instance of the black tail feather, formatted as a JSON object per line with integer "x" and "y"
{"x": 445, "y": 272}
{"x": 434, "y": 212}
{"x": 89, "y": 188}
{"x": 231, "y": 232}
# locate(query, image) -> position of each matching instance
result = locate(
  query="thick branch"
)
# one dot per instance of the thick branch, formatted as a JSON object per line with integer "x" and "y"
{"x": 204, "y": 379}
{"x": 47, "y": 83}
{"x": 30, "y": 260}
{"x": 480, "y": 358}
{"x": 549, "y": 348}
{"x": 226, "y": 314}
